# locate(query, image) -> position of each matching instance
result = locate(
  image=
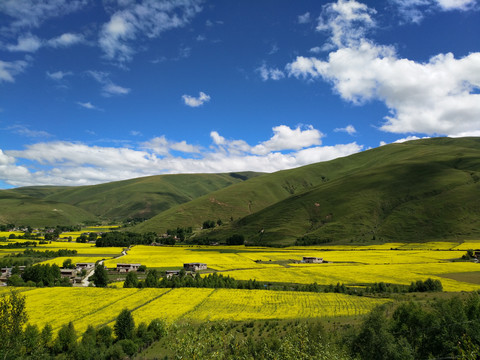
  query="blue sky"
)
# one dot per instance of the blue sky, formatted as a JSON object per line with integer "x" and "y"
{"x": 98, "y": 91}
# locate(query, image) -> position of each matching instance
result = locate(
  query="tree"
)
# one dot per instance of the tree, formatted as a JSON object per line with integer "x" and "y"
{"x": 12, "y": 318}
{"x": 67, "y": 264}
{"x": 131, "y": 280}
{"x": 100, "y": 276}
{"x": 124, "y": 327}
{"x": 66, "y": 341}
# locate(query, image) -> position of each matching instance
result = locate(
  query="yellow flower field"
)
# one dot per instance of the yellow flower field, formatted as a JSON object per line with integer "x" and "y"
{"x": 97, "y": 306}
{"x": 260, "y": 304}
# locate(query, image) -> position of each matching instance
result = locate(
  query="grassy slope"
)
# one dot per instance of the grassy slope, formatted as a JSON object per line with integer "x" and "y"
{"x": 427, "y": 189}
{"x": 142, "y": 197}
{"x": 25, "y": 210}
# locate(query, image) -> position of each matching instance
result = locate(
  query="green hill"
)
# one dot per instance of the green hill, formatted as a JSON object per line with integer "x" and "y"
{"x": 20, "y": 209}
{"x": 414, "y": 191}
{"x": 135, "y": 198}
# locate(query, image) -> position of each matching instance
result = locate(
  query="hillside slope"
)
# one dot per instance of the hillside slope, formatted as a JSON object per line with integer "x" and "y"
{"x": 419, "y": 190}
{"x": 19, "y": 209}
{"x": 134, "y": 198}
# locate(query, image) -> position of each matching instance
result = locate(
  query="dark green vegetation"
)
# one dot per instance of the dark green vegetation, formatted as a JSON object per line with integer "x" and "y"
{"x": 116, "y": 201}
{"x": 415, "y": 191}
{"x": 434, "y": 329}
{"x": 38, "y": 275}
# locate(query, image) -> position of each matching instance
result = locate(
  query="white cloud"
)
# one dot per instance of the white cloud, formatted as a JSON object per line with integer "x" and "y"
{"x": 415, "y": 10}
{"x": 456, "y": 4}
{"x": 304, "y": 18}
{"x": 436, "y": 97}
{"x": 349, "y": 129}
{"x": 285, "y": 138}
{"x": 31, "y": 14}
{"x": 10, "y": 69}
{"x": 113, "y": 89}
{"x": 162, "y": 146}
{"x": 88, "y": 105}
{"x": 147, "y": 19}
{"x": 267, "y": 73}
{"x": 67, "y": 163}
{"x": 26, "y": 43}
{"x": 315, "y": 50}
{"x": 347, "y": 21}
{"x": 109, "y": 88}
{"x": 65, "y": 40}
{"x": 26, "y": 131}
{"x": 58, "y": 75}
{"x": 196, "y": 101}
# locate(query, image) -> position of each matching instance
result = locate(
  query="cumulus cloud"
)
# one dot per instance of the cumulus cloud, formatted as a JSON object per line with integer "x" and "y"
{"x": 68, "y": 163}
{"x": 349, "y": 129}
{"x": 196, "y": 101}
{"x": 347, "y": 21}
{"x": 439, "y": 96}
{"x": 148, "y": 19}
{"x": 285, "y": 138}
{"x": 267, "y": 73}
{"x": 10, "y": 69}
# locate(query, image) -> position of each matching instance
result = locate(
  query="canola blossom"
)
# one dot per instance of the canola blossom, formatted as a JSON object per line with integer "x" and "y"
{"x": 100, "y": 306}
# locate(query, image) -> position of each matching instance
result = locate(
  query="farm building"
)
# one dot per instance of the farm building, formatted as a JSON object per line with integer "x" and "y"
{"x": 194, "y": 266}
{"x": 127, "y": 267}
{"x": 171, "y": 273}
{"x": 70, "y": 273}
{"x": 312, "y": 260}
{"x": 85, "y": 266}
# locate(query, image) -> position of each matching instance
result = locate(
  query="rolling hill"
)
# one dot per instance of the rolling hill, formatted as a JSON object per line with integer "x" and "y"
{"x": 115, "y": 201}
{"x": 414, "y": 191}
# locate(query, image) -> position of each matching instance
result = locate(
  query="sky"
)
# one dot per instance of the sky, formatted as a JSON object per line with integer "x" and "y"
{"x": 96, "y": 91}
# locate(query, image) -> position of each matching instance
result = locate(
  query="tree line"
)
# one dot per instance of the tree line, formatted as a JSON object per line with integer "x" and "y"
{"x": 38, "y": 275}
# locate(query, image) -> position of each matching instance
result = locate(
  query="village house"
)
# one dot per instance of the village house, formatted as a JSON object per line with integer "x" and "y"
{"x": 170, "y": 273}
{"x": 194, "y": 266}
{"x": 312, "y": 260}
{"x": 6, "y": 273}
{"x": 127, "y": 267}
{"x": 68, "y": 273}
{"x": 85, "y": 266}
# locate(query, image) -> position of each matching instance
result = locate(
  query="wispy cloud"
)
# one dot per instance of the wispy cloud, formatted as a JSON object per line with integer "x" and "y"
{"x": 349, "y": 129}
{"x": 23, "y": 130}
{"x": 268, "y": 73}
{"x": 26, "y": 43}
{"x": 58, "y": 75}
{"x": 10, "y": 69}
{"x": 31, "y": 14}
{"x": 65, "y": 40}
{"x": 109, "y": 88}
{"x": 137, "y": 21}
{"x": 88, "y": 105}
{"x": 304, "y": 18}
{"x": 196, "y": 101}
